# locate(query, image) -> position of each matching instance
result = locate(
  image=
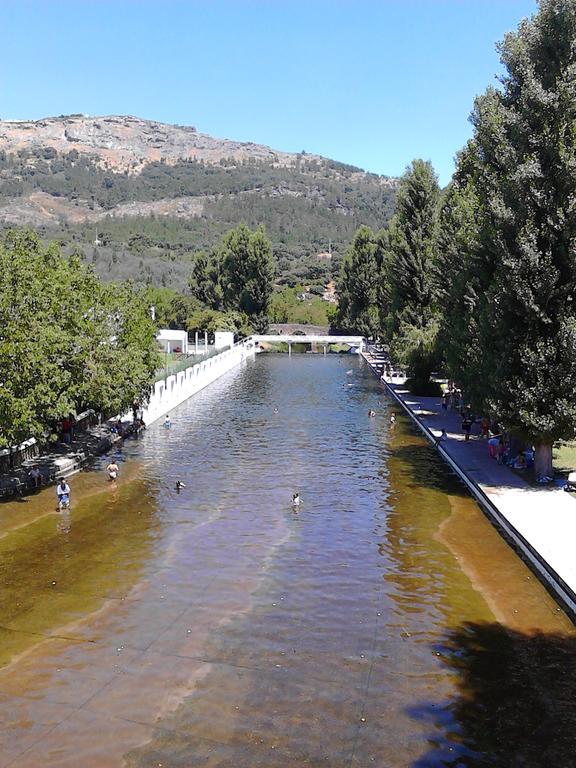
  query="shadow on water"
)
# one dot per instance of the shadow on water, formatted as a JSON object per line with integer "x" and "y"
{"x": 516, "y": 701}
{"x": 425, "y": 467}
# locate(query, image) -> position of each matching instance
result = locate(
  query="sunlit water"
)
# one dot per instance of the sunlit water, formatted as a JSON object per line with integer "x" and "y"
{"x": 384, "y": 623}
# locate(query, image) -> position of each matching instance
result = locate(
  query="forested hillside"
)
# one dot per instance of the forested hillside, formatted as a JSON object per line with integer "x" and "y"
{"x": 139, "y": 198}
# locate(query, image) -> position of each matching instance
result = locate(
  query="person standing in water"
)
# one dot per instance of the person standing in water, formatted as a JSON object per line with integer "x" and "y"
{"x": 167, "y": 422}
{"x": 113, "y": 470}
{"x": 296, "y": 500}
{"x": 63, "y": 494}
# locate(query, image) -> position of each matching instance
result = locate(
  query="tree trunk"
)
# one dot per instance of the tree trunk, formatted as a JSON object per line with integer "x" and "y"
{"x": 543, "y": 460}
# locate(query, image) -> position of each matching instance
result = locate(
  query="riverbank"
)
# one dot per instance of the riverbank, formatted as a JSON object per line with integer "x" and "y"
{"x": 540, "y": 523}
{"x": 64, "y": 460}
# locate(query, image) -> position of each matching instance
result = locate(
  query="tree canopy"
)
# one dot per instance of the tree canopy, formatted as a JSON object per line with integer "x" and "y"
{"x": 236, "y": 276}
{"x": 358, "y": 290}
{"x": 67, "y": 342}
{"x": 522, "y": 275}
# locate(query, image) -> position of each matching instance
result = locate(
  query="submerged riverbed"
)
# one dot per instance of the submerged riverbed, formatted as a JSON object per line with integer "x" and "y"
{"x": 384, "y": 623}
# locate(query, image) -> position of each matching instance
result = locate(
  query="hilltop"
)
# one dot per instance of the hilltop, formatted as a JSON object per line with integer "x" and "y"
{"x": 138, "y": 197}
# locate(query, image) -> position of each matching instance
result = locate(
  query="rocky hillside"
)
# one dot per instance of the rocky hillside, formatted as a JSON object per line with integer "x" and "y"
{"x": 139, "y": 197}
{"x": 128, "y": 143}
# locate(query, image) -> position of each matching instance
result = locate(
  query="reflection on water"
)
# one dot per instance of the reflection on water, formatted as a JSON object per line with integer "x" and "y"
{"x": 354, "y": 631}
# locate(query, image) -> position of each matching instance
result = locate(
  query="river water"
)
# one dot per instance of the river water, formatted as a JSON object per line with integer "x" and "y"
{"x": 383, "y": 623}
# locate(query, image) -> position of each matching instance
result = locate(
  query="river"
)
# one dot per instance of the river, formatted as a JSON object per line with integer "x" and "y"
{"x": 383, "y": 623}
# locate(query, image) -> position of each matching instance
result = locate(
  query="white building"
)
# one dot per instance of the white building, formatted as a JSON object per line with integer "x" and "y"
{"x": 173, "y": 341}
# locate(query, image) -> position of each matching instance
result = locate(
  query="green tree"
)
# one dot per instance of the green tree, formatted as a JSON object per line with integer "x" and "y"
{"x": 358, "y": 290}
{"x": 464, "y": 278}
{"x": 526, "y": 184}
{"x": 204, "y": 281}
{"x": 211, "y": 320}
{"x": 66, "y": 341}
{"x": 410, "y": 274}
{"x": 247, "y": 273}
{"x": 286, "y": 307}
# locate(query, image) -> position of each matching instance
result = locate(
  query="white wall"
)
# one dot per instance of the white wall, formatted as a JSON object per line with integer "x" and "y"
{"x": 223, "y": 339}
{"x": 170, "y": 392}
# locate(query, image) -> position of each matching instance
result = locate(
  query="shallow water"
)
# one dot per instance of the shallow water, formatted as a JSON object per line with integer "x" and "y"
{"x": 383, "y": 623}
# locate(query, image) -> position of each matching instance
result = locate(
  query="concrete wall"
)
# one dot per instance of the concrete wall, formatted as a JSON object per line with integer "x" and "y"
{"x": 223, "y": 339}
{"x": 175, "y": 389}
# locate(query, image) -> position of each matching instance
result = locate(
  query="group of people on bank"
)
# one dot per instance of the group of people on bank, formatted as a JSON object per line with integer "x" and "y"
{"x": 501, "y": 446}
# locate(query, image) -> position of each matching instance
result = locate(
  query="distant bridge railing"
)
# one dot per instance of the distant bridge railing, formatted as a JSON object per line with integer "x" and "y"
{"x": 296, "y": 338}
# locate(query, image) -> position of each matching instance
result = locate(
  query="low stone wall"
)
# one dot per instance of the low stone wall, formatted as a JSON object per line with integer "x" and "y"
{"x": 175, "y": 389}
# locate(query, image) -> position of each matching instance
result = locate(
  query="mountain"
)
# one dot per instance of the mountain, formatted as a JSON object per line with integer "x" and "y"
{"x": 138, "y": 197}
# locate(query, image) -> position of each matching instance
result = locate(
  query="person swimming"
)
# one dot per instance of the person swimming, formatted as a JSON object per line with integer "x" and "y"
{"x": 179, "y": 485}
{"x": 275, "y": 411}
{"x": 371, "y": 413}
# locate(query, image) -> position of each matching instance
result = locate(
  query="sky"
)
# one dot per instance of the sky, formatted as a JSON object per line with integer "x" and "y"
{"x": 374, "y": 83}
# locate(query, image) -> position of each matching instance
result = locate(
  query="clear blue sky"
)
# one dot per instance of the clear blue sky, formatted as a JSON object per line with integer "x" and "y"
{"x": 373, "y": 83}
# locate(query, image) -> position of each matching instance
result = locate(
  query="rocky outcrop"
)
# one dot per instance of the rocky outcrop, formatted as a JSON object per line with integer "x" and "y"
{"x": 124, "y": 143}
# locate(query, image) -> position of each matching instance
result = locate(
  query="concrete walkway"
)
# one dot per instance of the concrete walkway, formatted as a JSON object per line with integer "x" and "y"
{"x": 539, "y": 522}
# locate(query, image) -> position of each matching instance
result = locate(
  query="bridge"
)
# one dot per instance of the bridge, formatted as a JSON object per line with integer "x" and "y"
{"x": 356, "y": 342}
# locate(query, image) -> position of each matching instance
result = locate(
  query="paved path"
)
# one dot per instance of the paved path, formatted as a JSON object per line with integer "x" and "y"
{"x": 544, "y": 518}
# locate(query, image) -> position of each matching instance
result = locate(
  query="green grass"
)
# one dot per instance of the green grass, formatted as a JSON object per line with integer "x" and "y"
{"x": 565, "y": 456}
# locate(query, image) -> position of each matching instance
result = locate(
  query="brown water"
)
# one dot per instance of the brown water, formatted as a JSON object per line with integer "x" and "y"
{"x": 383, "y": 624}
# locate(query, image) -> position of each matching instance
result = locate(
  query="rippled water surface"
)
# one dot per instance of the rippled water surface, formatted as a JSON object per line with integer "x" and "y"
{"x": 383, "y": 623}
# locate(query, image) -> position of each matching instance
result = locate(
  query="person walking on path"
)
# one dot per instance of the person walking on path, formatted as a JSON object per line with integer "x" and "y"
{"x": 466, "y": 426}
{"x": 36, "y": 477}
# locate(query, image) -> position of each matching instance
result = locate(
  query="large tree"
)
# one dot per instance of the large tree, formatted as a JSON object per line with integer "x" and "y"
{"x": 67, "y": 342}
{"x": 410, "y": 272}
{"x": 526, "y": 185}
{"x": 247, "y": 270}
{"x": 204, "y": 281}
{"x": 237, "y": 276}
{"x": 358, "y": 290}
{"x": 463, "y": 279}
